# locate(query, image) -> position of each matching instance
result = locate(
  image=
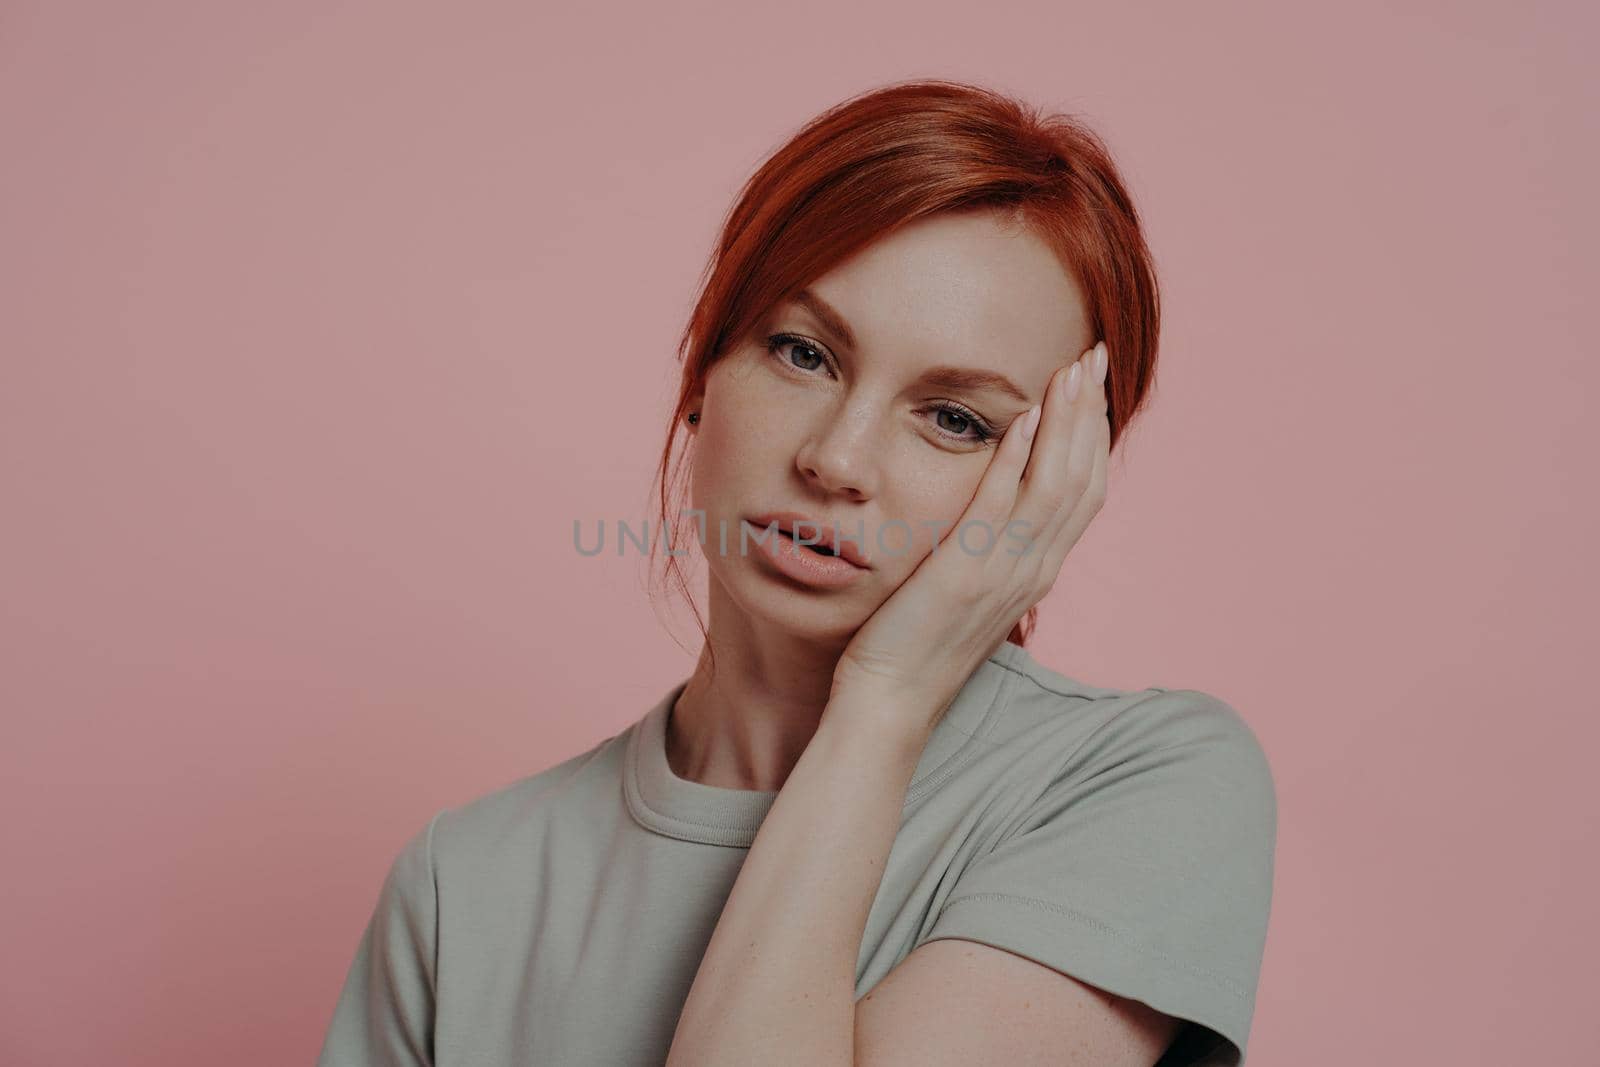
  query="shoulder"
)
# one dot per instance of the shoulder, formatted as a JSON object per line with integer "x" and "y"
{"x": 1086, "y": 728}
{"x": 466, "y": 833}
{"x": 1136, "y": 850}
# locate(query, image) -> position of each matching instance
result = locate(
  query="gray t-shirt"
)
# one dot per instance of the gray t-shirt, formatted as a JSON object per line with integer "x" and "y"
{"x": 1123, "y": 837}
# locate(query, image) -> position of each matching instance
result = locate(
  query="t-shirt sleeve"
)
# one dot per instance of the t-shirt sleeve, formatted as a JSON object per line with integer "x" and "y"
{"x": 384, "y": 1016}
{"x": 1144, "y": 867}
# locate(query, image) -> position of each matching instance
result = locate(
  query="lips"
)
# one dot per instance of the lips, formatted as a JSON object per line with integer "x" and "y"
{"x": 819, "y": 531}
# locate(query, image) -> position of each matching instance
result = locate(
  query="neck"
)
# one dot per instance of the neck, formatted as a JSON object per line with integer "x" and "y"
{"x": 746, "y": 724}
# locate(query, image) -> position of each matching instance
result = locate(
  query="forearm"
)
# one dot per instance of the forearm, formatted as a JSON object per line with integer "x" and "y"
{"x": 777, "y": 982}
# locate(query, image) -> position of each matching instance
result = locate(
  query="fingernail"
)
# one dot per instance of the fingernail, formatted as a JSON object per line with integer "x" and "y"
{"x": 1074, "y": 380}
{"x": 1030, "y": 422}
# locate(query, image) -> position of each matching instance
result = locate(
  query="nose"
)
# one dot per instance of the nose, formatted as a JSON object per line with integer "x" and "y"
{"x": 841, "y": 458}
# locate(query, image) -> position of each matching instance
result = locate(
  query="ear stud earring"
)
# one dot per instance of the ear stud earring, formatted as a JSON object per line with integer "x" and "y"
{"x": 694, "y": 418}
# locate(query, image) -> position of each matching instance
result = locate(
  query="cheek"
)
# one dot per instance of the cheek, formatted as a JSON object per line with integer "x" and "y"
{"x": 741, "y": 451}
{"x": 750, "y": 403}
{"x": 756, "y": 428}
{"x": 930, "y": 506}
{"x": 938, "y": 495}
{"x": 739, "y": 444}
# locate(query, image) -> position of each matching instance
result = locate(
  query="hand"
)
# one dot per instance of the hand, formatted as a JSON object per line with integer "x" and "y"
{"x": 1037, "y": 496}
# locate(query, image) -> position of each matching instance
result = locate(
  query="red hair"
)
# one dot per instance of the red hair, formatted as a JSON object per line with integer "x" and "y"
{"x": 889, "y": 156}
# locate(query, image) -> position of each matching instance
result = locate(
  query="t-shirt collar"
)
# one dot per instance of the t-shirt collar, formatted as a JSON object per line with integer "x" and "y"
{"x": 678, "y": 807}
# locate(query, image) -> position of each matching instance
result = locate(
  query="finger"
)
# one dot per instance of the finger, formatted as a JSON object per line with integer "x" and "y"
{"x": 996, "y": 495}
{"x": 1043, "y": 502}
{"x": 1088, "y": 505}
{"x": 1089, "y": 419}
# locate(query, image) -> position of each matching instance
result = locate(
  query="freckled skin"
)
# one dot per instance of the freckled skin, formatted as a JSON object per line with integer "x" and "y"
{"x": 967, "y": 290}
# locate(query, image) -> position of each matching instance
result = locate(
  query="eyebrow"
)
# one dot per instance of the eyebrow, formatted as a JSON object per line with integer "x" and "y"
{"x": 959, "y": 378}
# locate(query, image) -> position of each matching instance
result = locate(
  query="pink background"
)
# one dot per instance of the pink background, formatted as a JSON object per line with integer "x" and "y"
{"x": 323, "y": 322}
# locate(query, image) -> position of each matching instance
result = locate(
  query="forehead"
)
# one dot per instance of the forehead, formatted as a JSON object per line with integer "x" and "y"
{"x": 967, "y": 289}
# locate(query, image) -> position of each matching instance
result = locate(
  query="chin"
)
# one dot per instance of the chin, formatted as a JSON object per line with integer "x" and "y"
{"x": 808, "y": 615}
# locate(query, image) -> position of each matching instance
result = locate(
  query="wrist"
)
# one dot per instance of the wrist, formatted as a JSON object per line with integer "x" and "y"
{"x": 898, "y": 719}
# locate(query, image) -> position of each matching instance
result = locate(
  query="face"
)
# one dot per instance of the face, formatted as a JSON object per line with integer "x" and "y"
{"x": 841, "y": 407}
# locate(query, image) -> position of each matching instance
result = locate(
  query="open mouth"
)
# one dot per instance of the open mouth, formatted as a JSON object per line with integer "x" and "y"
{"x": 821, "y": 550}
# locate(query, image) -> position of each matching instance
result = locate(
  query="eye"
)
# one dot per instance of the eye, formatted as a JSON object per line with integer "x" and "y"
{"x": 784, "y": 340}
{"x": 966, "y": 419}
{"x": 972, "y": 428}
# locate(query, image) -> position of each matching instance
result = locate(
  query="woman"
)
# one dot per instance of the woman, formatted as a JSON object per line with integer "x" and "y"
{"x": 870, "y": 827}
